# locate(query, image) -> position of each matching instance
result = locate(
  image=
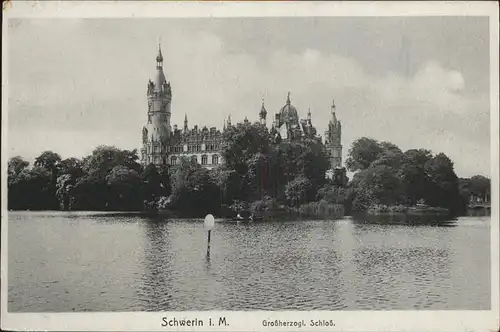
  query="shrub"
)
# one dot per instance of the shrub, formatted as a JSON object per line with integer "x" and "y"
{"x": 321, "y": 209}
{"x": 266, "y": 204}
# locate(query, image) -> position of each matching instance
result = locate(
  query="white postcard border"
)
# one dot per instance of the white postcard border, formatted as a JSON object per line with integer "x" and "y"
{"x": 253, "y": 320}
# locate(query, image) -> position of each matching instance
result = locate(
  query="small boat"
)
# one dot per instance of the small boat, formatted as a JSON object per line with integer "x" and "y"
{"x": 243, "y": 216}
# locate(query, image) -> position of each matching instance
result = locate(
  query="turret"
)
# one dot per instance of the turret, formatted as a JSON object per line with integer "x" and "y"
{"x": 263, "y": 113}
{"x": 159, "y": 96}
{"x": 333, "y": 139}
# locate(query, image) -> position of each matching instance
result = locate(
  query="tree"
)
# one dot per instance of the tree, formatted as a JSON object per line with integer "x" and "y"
{"x": 31, "y": 189}
{"x": 48, "y": 160}
{"x": 443, "y": 183}
{"x": 70, "y": 170}
{"x": 296, "y": 190}
{"x": 257, "y": 183}
{"x": 480, "y": 186}
{"x": 377, "y": 185}
{"x": 242, "y": 142}
{"x": 90, "y": 193}
{"x": 390, "y": 147}
{"x": 16, "y": 165}
{"x": 151, "y": 185}
{"x": 414, "y": 179}
{"x": 197, "y": 194}
{"x": 331, "y": 194}
{"x": 229, "y": 183}
{"x": 104, "y": 158}
{"x": 307, "y": 157}
{"x": 316, "y": 162}
{"x": 124, "y": 184}
{"x": 64, "y": 186}
{"x": 362, "y": 153}
{"x": 72, "y": 166}
{"x": 165, "y": 180}
{"x": 393, "y": 158}
{"x": 181, "y": 172}
{"x": 156, "y": 184}
{"x": 17, "y": 175}
{"x": 476, "y": 187}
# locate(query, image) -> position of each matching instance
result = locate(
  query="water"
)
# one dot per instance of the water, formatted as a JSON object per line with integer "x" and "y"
{"x": 61, "y": 262}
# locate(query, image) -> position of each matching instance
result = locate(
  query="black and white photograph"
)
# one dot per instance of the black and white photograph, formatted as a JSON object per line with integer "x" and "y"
{"x": 250, "y": 166}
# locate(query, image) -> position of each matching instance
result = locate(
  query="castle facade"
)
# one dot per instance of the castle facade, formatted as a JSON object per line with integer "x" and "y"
{"x": 163, "y": 144}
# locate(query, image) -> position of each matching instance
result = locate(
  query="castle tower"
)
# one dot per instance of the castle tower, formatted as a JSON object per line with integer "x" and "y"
{"x": 333, "y": 136}
{"x": 263, "y": 114}
{"x": 157, "y": 131}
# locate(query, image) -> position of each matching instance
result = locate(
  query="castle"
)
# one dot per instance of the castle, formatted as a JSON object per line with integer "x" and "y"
{"x": 164, "y": 144}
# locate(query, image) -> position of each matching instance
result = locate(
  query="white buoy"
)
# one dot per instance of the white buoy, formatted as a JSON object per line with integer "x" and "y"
{"x": 209, "y": 224}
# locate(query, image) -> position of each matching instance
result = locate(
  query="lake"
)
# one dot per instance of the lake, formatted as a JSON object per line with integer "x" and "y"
{"x": 81, "y": 261}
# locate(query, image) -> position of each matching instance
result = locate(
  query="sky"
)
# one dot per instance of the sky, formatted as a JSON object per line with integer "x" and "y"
{"x": 418, "y": 82}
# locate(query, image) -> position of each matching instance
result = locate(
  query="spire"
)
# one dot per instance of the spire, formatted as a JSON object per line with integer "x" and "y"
{"x": 185, "y": 122}
{"x": 159, "y": 82}
{"x": 309, "y": 114}
{"x": 334, "y": 117}
{"x": 159, "y": 57}
{"x": 229, "y": 120}
{"x": 263, "y": 111}
{"x": 288, "y": 99}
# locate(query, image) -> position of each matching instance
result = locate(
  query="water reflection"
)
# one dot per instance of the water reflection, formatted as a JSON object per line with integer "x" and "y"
{"x": 155, "y": 282}
{"x": 60, "y": 262}
{"x": 386, "y": 273}
{"x": 401, "y": 219}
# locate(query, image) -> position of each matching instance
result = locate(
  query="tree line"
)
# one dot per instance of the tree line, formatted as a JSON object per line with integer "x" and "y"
{"x": 385, "y": 175}
{"x": 260, "y": 172}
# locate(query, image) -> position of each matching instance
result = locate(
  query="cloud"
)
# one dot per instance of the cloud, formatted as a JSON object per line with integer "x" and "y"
{"x": 71, "y": 89}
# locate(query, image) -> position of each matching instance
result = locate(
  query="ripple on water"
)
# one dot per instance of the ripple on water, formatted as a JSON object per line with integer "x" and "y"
{"x": 122, "y": 262}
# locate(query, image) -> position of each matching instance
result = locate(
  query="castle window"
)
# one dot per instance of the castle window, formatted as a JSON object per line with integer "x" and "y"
{"x": 194, "y": 158}
{"x": 204, "y": 160}
{"x": 215, "y": 159}
{"x": 164, "y": 161}
{"x": 173, "y": 160}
